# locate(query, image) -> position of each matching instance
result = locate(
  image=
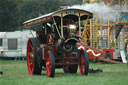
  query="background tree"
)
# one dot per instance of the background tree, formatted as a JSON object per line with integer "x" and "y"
{"x": 34, "y": 8}
{"x": 14, "y": 12}
{"x": 7, "y": 14}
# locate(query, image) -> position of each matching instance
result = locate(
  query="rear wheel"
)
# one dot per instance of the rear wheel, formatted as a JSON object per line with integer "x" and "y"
{"x": 50, "y": 64}
{"x": 34, "y": 57}
{"x": 84, "y": 62}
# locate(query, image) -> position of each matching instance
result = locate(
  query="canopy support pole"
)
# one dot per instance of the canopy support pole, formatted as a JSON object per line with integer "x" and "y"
{"x": 56, "y": 27}
{"x": 79, "y": 25}
{"x": 62, "y": 25}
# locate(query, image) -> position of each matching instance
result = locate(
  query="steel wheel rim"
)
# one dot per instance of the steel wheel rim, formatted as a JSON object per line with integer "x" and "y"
{"x": 48, "y": 65}
{"x": 30, "y": 57}
{"x": 81, "y": 65}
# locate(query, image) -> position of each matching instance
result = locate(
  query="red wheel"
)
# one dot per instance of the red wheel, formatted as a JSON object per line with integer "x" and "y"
{"x": 84, "y": 62}
{"x": 50, "y": 64}
{"x": 32, "y": 59}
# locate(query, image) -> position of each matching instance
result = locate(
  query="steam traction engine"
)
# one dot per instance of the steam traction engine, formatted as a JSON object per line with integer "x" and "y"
{"x": 58, "y": 44}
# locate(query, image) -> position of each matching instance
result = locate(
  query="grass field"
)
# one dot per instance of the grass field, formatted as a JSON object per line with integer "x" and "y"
{"x": 15, "y": 73}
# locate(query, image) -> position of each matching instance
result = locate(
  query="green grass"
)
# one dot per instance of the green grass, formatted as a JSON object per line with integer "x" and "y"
{"x": 15, "y": 73}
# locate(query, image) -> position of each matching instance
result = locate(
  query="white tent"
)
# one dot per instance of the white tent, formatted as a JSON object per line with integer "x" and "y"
{"x": 14, "y": 44}
{"x": 2, "y": 35}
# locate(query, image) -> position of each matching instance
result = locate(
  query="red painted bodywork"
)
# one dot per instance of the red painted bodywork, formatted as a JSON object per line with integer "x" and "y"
{"x": 111, "y": 52}
{"x": 91, "y": 55}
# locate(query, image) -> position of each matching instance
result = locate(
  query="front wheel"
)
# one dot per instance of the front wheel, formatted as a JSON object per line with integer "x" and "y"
{"x": 84, "y": 62}
{"x": 50, "y": 64}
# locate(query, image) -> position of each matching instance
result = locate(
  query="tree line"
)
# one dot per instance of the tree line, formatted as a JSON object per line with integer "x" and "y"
{"x": 14, "y": 12}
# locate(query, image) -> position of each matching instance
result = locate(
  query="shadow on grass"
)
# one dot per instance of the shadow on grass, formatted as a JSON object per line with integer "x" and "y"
{"x": 62, "y": 74}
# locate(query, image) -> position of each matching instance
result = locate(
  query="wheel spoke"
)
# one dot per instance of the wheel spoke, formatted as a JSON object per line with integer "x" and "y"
{"x": 50, "y": 64}
{"x": 82, "y": 60}
{"x": 82, "y": 69}
{"x": 84, "y": 66}
{"x": 31, "y": 48}
{"x": 31, "y": 64}
{"x": 48, "y": 69}
{"x": 30, "y": 45}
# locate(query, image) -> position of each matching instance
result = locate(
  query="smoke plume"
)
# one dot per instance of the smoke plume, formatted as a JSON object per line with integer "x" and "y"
{"x": 100, "y": 10}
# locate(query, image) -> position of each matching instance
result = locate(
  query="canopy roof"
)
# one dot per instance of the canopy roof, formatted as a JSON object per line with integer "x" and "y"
{"x": 69, "y": 13}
